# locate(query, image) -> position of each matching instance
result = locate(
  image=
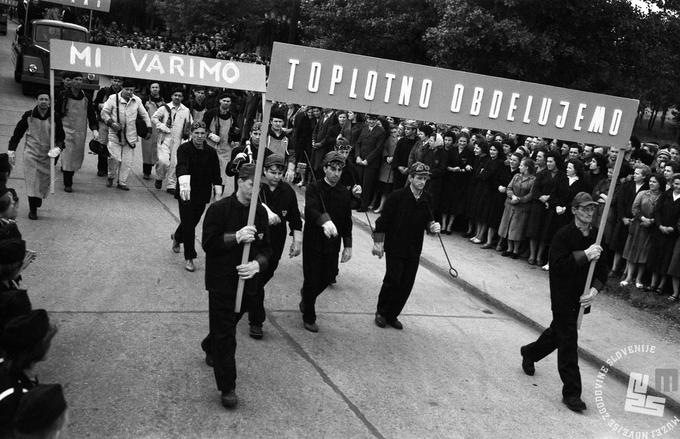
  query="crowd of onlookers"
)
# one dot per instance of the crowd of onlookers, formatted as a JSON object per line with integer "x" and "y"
{"x": 27, "y": 408}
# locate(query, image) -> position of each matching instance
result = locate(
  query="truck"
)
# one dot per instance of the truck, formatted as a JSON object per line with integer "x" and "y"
{"x": 31, "y": 53}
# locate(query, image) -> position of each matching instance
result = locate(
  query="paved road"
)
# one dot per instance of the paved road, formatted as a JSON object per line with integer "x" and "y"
{"x": 131, "y": 320}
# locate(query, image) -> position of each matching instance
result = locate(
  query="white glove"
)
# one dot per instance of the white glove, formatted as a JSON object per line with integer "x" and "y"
{"x": 356, "y": 190}
{"x": 185, "y": 187}
{"x": 560, "y": 210}
{"x": 214, "y": 138}
{"x": 246, "y": 234}
{"x": 218, "y": 191}
{"x": 273, "y": 218}
{"x": 329, "y": 229}
{"x": 247, "y": 271}
{"x": 12, "y": 156}
{"x": 290, "y": 173}
{"x": 593, "y": 252}
{"x": 240, "y": 156}
{"x": 435, "y": 227}
{"x": 501, "y": 189}
{"x": 54, "y": 152}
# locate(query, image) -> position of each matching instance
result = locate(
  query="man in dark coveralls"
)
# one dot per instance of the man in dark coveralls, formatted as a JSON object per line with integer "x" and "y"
{"x": 328, "y": 218}
{"x": 280, "y": 202}
{"x": 572, "y": 249}
{"x": 225, "y": 231}
{"x": 399, "y": 233}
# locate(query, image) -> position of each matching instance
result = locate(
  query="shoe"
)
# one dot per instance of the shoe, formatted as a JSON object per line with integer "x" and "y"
{"x": 158, "y": 184}
{"x": 673, "y": 298}
{"x": 229, "y": 399}
{"x": 256, "y": 332}
{"x": 380, "y": 321}
{"x": 170, "y": 190}
{"x": 531, "y": 261}
{"x": 109, "y": 182}
{"x": 101, "y": 173}
{"x": 301, "y": 305}
{"x": 527, "y": 364}
{"x": 546, "y": 267}
{"x": 123, "y": 187}
{"x": 175, "y": 244}
{"x": 486, "y": 246}
{"x": 500, "y": 248}
{"x": 574, "y": 403}
{"x": 209, "y": 360}
{"x": 475, "y": 241}
{"x": 396, "y": 324}
{"x": 146, "y": 176}
{"x": 658, "y": 291}
{"x": 467, "y": 235}
{"x": 515, "y": 256}
{"x": 623, "y": 283}
{"x": 333, "y": 281}
{"x": 639, "y": 286}
{"x": 311, "y": 327}
{"x": 68, "y": 189}
{"x": 189, "y": 265}
{"x": 506, "y": 253}
{"x": 33, "y": 215}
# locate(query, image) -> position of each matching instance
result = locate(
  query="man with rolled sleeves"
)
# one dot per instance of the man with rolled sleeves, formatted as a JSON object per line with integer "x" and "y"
{"x": 280, "y": 202}
{"x": 573, "y": 248}
{"x": 225, "y": 231}
{"x": 399, "y": 234}
{"x": 328, "y": 220}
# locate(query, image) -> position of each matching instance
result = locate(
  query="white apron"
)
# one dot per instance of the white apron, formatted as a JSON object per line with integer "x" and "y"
{"x": 75, "y": 129}
{"x": 149, "y": 150}
{"x": 36, "y": 160}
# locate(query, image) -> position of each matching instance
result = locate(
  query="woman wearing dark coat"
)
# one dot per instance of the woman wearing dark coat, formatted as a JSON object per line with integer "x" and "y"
{"x": 544, "y": 188}
{"x": 664, "y": 235}
{"x": 498, "y": 174}
{"x": 456, "y": 182}
{"x": 477, "y": 190}
{"x": 559, "y": 214}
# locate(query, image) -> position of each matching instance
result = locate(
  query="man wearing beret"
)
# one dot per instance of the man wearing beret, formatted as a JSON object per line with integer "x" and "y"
{"x": 225, "y": 232}
{"x": 76, "y": 114}
{"x": 280, "y": 202}
{"x": 35, "y": 124}
{"x": 573, "y": 248}
{"x": 328, "y": 220}
{"x": 399, "y": 234}
{"x": 119, "y": 113}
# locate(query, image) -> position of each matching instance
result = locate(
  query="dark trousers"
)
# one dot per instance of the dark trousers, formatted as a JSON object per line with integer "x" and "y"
{"x": 146, "y": 168}
{"x": 318, "y": 270}
{"x": 68, "y": 178}
{"x": 256, "y": 313}
{"x": 34, "y": 203}
{"x": 189, "y": 216}
{"x": 563, "y": 336}
{"x": 220, "y": 343}
{"x": 102, "y": 164}
{"x": 400, "y": 274}
{"x": 369, "y": 177}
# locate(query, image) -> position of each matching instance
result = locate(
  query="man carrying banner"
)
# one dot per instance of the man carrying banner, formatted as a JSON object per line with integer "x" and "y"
{"x": 328, "y": 219}
{"x": 280, "y": 201}
{"x": 120, "y": 114}
{"x": 35, "y": 124}
{"x": 573, "y": 248}
{"x": 399, "y": 233}
{"x": 225, "y": 231}
{"x": 172, "y": 121}
{"x": 76, "y": 114}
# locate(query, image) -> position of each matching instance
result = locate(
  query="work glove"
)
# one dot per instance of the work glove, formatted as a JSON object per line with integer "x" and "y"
{"x": 246, "y": 234}
{"x": 435, "y": 227}
{"x": 184, "y": 187}
{"x": 560, "y": 210}
{"x": 274, "y": 219}
{"x": 296, "y": 245}
{"x": 248, "y": 270}
{"x": 54, "y": 152}
{"x": 329, "y": 229}
{"x": 214, "y": 138}
{"x": 378, "y": 249}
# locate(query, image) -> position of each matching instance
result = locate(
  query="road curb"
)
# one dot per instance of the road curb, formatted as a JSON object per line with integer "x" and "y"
{"x": 590, "y": 357}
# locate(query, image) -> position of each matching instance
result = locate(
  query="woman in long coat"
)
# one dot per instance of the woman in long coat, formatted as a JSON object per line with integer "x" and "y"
{"x": 517, "y": 207}
{"x": 537, "y": 209}
{"x": 544, "y": 190}
{"x": 498, "y": 175}
{"x": 638, "y": 243}
{"x": 663, "y": 235}
{"x": 477, "y": 190}
{"x": 456, "y": 181}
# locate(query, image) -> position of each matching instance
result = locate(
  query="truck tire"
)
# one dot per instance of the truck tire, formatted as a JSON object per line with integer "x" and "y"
{"x": 17, "y": 70}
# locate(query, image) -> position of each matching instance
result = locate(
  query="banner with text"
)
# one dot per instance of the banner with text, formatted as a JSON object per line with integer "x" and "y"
{"x": 340, "y": 80}
{"x": 157, "y": 66}
{"x": 10, "y": 3}
{"x": 95, "y": 5}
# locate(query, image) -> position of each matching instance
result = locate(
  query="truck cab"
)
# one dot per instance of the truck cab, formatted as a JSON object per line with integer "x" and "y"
{"x": 31, "y": 53}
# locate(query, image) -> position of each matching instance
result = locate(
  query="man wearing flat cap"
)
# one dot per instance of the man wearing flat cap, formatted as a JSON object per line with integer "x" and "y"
{"x": 328, "y": 220}
{"x": 573, "y": 248}
{"x": 76, "y": 114}
{"x": 103, "y": 134}
{"x": 280, "y": 202}
{"x": 225, "y": 232}
{"x": 399, "y": 234}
